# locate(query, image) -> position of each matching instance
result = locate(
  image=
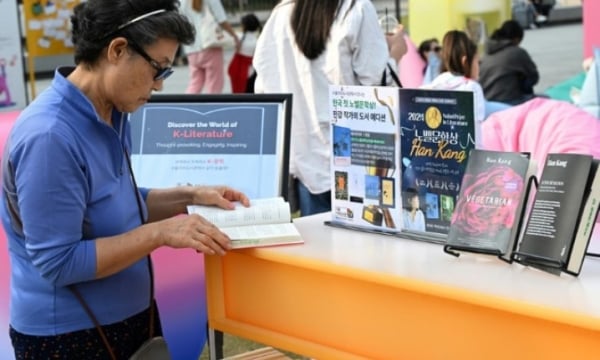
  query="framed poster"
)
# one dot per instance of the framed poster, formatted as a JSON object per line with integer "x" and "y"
{"x": 240, "y": 140}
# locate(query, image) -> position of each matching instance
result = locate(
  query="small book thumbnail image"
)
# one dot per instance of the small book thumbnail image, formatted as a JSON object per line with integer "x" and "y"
{"x": 372, "y": 187}
{"x": 387, "y": 193}
{"x": 341, "y": 185}
{"x": 432, "y": 206}
{"x": 342, "y": 142}
{"x": 412, "y": 213}
{"x": 447, "y": 207}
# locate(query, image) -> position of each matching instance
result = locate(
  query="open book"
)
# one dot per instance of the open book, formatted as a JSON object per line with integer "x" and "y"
{"x": 266, "y": 222}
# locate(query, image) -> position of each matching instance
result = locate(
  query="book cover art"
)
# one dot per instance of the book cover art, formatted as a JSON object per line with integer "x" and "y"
{"x": 490, "y": 201}
{"x": 364, "y": 174}
{"x": 557, "y": 204}
{"x": 437, "y": 132}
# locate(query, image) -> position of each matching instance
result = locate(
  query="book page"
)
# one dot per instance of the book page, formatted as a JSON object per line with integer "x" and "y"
{"x": 261, "y": 211}
{"x": 261, "y": 231}
{"x": 263, "y": 235}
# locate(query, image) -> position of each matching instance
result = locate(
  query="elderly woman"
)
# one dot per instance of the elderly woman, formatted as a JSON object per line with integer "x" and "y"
{"x": 76, "y": 223}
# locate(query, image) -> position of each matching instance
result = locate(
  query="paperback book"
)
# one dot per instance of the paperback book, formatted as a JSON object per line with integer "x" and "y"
{"x": 437, "y": 131}
{"x": 490, "y": 205}
{"x": 267, "y": 222}
{"x": 563, "y": 215}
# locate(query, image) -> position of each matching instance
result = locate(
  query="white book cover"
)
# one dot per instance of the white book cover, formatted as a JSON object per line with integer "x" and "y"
{"x": 365, "y": 179}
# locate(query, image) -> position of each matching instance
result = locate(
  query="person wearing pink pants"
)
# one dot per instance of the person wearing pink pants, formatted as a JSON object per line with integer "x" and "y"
{"x": 206, "y": 71}
{"x": 205, "y": 60}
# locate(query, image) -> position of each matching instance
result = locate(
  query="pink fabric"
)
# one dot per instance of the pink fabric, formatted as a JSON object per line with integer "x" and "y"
{"x": 206, "y": 71}
{"x": 541, "y": 126}
{"x": 411, "y": 66}
{"x": 7, "y": 120}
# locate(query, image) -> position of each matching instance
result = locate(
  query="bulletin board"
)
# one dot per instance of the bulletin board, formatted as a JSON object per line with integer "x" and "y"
{"x": 48, "y": 26}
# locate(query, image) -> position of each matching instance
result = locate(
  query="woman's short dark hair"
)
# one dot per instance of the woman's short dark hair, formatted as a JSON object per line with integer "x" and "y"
{"x": 456, "y": 45}
{"x": 96, "y": 22}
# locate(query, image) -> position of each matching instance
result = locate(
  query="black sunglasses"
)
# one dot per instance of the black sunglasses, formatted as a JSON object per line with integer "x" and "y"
{"x": 161, "y": 72}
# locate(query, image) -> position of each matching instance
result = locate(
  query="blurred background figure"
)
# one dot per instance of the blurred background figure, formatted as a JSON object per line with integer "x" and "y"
{"x": 205, "y": 60}
{"x": 429, "y": 50}
{"x": 460, "y": 71}
{"x": 240, "y": 66}
{"x": 305, "y": 46}
{"x": 543, "y": 7}
{"x": 507, "y": 72}
{"x": 526, "y": 13}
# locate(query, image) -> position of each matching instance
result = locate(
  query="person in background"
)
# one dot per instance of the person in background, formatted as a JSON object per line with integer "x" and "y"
{"x": 241, "y": 64}
{"x": 206, "y": 63}
{"x": 526, "y": 13}
{"x": 73, "y": 217}
{"x": 305, "y": 46}
{"x": 412, "y": 215}
{"x": 459, "y": 71}
{"x": 507, "y": 73}
{"x": 429, "y": 51}
{"x": 543, "y": 7}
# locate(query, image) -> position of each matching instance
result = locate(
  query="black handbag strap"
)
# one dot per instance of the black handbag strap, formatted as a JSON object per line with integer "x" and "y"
{"x": 393, "y": 74}
{"x": 87, "y": 308}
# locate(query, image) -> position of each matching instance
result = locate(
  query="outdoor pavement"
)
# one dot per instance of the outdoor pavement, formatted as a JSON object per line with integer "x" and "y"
{"x": 556, "y": 49}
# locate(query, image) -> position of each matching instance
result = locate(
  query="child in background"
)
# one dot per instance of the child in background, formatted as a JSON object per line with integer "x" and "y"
{"x": 241, "y": 63}
{"x": 460, "y": 71}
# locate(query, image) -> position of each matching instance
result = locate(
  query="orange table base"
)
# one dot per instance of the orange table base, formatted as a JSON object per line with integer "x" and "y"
{"x": 325, "y": 311}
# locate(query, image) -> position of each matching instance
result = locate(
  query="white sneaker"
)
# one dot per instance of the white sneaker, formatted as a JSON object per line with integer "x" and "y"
{"x": 532, "y": 26}
{"x": 541, "y": 19}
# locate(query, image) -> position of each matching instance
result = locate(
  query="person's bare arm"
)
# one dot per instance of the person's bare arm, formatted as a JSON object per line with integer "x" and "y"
{"x": 227, "y": 27}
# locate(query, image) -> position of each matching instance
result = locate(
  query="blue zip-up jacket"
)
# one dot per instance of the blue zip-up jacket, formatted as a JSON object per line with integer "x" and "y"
{"x": 66, "y": 183}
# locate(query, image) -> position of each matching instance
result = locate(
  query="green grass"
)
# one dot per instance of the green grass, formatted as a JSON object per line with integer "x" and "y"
{"x": 233, "y": 345}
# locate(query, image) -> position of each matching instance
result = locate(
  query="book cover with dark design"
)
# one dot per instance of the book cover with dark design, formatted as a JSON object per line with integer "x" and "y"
{"x": 490, "y": 203}
{"x": 554, "y": 217}
{"x": 437, "y": 131}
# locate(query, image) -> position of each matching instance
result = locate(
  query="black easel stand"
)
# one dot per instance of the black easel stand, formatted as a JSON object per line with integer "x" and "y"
{"x": 454, "y": 250}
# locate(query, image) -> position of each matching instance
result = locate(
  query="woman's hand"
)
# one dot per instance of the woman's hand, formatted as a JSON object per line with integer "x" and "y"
{"x": 221, "y": 196}
{"x": 397, "y": 43}
{"x": 194, "y": 232}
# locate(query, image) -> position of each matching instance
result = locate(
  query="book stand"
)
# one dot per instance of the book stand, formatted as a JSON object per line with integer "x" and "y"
{"x": 527, "y": 259}
{"x": 454, "y": 250}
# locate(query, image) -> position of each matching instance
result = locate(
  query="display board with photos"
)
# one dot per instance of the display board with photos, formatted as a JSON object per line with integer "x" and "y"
{"x": 365, "y": 149}
{"x": 240, "y": 140}
{"x": 398, "y": 158}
